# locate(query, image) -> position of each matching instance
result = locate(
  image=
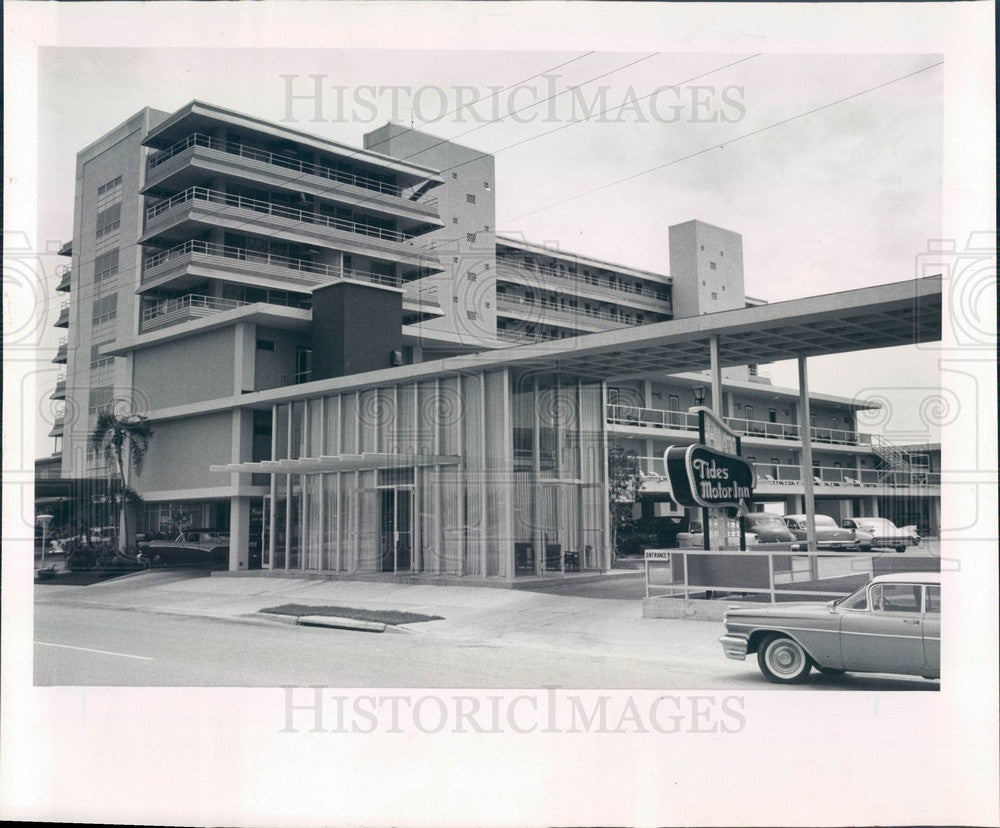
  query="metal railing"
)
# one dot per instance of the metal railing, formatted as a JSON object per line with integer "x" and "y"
{"x": 789, "y": 474}
{"x": 296, "y": 378}
{"x": 190, "y": 302}
{"x": 286, "y": 162}
{"x": 602, "y": 283}
{"x": 513, "y": 301}
{"x": 240, "y": 254}
{"x": 660, "y": 418}
{"x": 514, "y": 335}
{"x": 823, "y": 575}
{"x": 269, "y": 208}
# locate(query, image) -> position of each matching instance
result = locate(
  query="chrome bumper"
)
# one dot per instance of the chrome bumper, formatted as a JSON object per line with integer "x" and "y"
{"x": 734, "y": 646}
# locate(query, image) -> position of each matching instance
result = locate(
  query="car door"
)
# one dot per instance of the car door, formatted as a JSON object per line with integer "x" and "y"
{"x": 932, "y": 628}
{"x": 888, "y": 636}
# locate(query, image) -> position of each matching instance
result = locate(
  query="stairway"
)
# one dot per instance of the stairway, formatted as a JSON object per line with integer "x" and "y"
{"x": 892, "y": 457}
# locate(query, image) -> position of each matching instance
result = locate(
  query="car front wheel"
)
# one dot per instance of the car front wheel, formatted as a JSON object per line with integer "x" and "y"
{"x": 782, "y": 660}
{"x": 900, "y": 549}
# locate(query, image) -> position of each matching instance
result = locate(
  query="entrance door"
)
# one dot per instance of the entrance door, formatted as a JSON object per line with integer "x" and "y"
{"x": 396, "y": 529}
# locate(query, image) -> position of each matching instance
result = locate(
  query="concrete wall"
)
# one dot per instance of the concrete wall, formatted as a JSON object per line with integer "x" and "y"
{"x": 181, "y": 451}
{"x": 186, "y": 370}
{"x": 706, "y": 265}
{"x": 467, "y": 205}
{"x": 271, "y": 366}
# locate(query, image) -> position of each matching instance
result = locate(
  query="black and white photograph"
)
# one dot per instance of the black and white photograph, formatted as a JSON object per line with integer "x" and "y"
{"x": 408, "y": 404}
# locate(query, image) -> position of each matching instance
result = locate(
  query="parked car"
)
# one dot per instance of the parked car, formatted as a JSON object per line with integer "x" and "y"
{"x": 890, "y": 625}
{"x": 874, "y": 533}
{"x": 766, "y": 528}
{"x": 828, "y": 535}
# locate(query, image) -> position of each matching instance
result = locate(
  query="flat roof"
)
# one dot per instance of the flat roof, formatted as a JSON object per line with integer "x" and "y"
{"x": 170, "y": 131}
{"x": 883, "y": 316}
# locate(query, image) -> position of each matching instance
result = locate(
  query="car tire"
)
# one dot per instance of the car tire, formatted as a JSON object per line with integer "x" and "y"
{"x": 830, "y": 671}
{"x": 782, "y": 660}
{"x": 900, "y": 549}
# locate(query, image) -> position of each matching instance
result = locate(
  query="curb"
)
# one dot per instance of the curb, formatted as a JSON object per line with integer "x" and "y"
{"x": 338, "y": 623}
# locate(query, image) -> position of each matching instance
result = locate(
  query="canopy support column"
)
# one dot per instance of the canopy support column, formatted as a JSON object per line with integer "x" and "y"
{"x": 805, "y": 430}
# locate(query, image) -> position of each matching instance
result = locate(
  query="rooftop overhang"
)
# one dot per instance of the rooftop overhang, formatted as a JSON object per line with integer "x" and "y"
{"x": 339, "y": 463}
{"x": 198, "y": 116}
{"x": 884, "y": 316}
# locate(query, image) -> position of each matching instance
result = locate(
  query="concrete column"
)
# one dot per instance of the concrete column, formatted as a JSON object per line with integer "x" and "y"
{"x": 934, "y": 516}
{"x": 806, "y": 464}
{"x": 245, "y": 356}
{"x": 239, "y": 534}
{"x": 716, "y": 372}
{"x": 647, "y": 394}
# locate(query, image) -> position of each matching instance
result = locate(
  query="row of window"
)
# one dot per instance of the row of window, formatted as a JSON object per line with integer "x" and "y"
{"x": 105, "y": 309}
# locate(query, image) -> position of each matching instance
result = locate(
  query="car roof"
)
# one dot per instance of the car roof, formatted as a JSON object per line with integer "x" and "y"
{"x": 909, "y": 577}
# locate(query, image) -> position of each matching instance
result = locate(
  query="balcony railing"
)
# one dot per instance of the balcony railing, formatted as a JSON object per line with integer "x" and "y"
{"x": 64, "y": 274}
{"x": 659, "y": 418}
{"x": 786, "y": 474}
{"x": 323, "y": 272}
{"x": 191, "y": 305}
{"x": 286, "y": 162}
{"x": 203, "y": 194}
{"x": 603, "y": 283}
{"x": 297, "y": 378}
{"x": 517, "y": 302}
{"x": 514, "y": 335}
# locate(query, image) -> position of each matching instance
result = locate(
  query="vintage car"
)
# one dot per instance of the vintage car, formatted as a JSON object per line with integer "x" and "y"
{"x": 828, "y": 535}
{"x": 890, "y": 625}
{"x": 879, "y": 533}
{"x": 766, "y": 528}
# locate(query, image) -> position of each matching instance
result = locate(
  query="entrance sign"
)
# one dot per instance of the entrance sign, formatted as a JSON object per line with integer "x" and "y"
{"x": 700, "y": 476}
{"x": 712, "y": 474}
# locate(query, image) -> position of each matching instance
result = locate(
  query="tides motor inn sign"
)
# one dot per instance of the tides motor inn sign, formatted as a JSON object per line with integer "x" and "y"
{"x": 711, "y": 474}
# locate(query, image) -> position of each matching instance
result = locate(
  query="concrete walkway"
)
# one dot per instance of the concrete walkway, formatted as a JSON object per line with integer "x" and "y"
{"x": 472, "y": 615}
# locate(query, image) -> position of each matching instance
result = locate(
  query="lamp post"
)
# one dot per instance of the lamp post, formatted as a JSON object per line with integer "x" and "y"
{"x": 44, "y": 520}
{"x": 699, "y": 392}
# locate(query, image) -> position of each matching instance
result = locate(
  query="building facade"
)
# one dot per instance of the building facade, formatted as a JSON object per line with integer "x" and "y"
{"x": 282, "y": 307}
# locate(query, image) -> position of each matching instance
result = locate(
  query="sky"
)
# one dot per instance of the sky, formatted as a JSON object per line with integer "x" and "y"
{"x": 830, "y": 189}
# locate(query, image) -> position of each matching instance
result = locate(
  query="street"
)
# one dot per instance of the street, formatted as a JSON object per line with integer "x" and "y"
{"x": 96, "y": 646}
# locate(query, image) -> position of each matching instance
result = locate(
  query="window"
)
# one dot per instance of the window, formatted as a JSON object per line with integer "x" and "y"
{"x": 454, "y": 220}
{"x": 711, "y": 265}
{"x": 105, "y": 309}
{"x": 857, "y": 601}
{"x": 96, "y": 359}
{"x": 772, "y": 415}
{"x": 896, "y": 597}
{"x": 108, "y": 220}
{"x": 469, "y": 197}
{"x": 470, "y": 237}
{"x": 113, "y": 184}
{"x": 715, "y": 295}
{"x": 454, "y": 175}
{"x": 933, "y": 599}
{"x": 101, "y": 398}
{"x": 106, "y": 265}
{"x": 265, "y": 344}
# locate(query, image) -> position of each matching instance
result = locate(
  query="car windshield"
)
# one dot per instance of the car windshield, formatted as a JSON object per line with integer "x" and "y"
{"x": 770, "y": 521}
{"x": 857, "y": 601}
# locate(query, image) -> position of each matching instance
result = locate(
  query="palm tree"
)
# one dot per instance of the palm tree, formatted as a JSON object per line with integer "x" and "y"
{"x": 113, "y": 436}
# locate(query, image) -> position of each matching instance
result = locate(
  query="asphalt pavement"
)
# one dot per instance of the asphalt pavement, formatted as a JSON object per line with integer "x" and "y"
{"x": 173, "y": 629}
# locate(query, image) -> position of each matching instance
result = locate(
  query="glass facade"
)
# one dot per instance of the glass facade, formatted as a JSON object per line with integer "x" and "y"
{"x": 483, "y": 474}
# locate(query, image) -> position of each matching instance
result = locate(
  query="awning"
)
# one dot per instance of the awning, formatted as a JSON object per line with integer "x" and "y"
{"x": 339, "y": 463}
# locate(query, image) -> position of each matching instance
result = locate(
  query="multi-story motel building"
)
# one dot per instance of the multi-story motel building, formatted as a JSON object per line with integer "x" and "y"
{"x": 345, "y": 367}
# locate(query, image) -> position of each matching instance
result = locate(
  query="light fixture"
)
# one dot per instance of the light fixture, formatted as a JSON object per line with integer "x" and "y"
{"x": 44, "y": 521}
{"x": 699, "y": 394}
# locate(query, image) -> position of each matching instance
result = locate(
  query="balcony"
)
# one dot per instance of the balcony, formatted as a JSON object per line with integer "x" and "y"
{"x": 59, "y": 392}
{"x": 593, "y": 287}
{"x": 629, "y": 415}
{"x": 63, "y": 319}
{"x": 776, "y": 478}
{"x": 64, "y": 273}
{"x": 185, "y": 309}
{"x": 191, "y": 211}
{"x": 199, "y": 154}
{"x": 58, "y": 427}
{"x": 195, "y": 260}
{"x": 522, "y": 337}
{"x": 61, "y": 352}
{"x": 546, "y": 311}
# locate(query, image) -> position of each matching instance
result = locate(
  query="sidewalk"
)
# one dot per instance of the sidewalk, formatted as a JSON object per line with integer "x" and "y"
{"x": 471, "y": 615}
